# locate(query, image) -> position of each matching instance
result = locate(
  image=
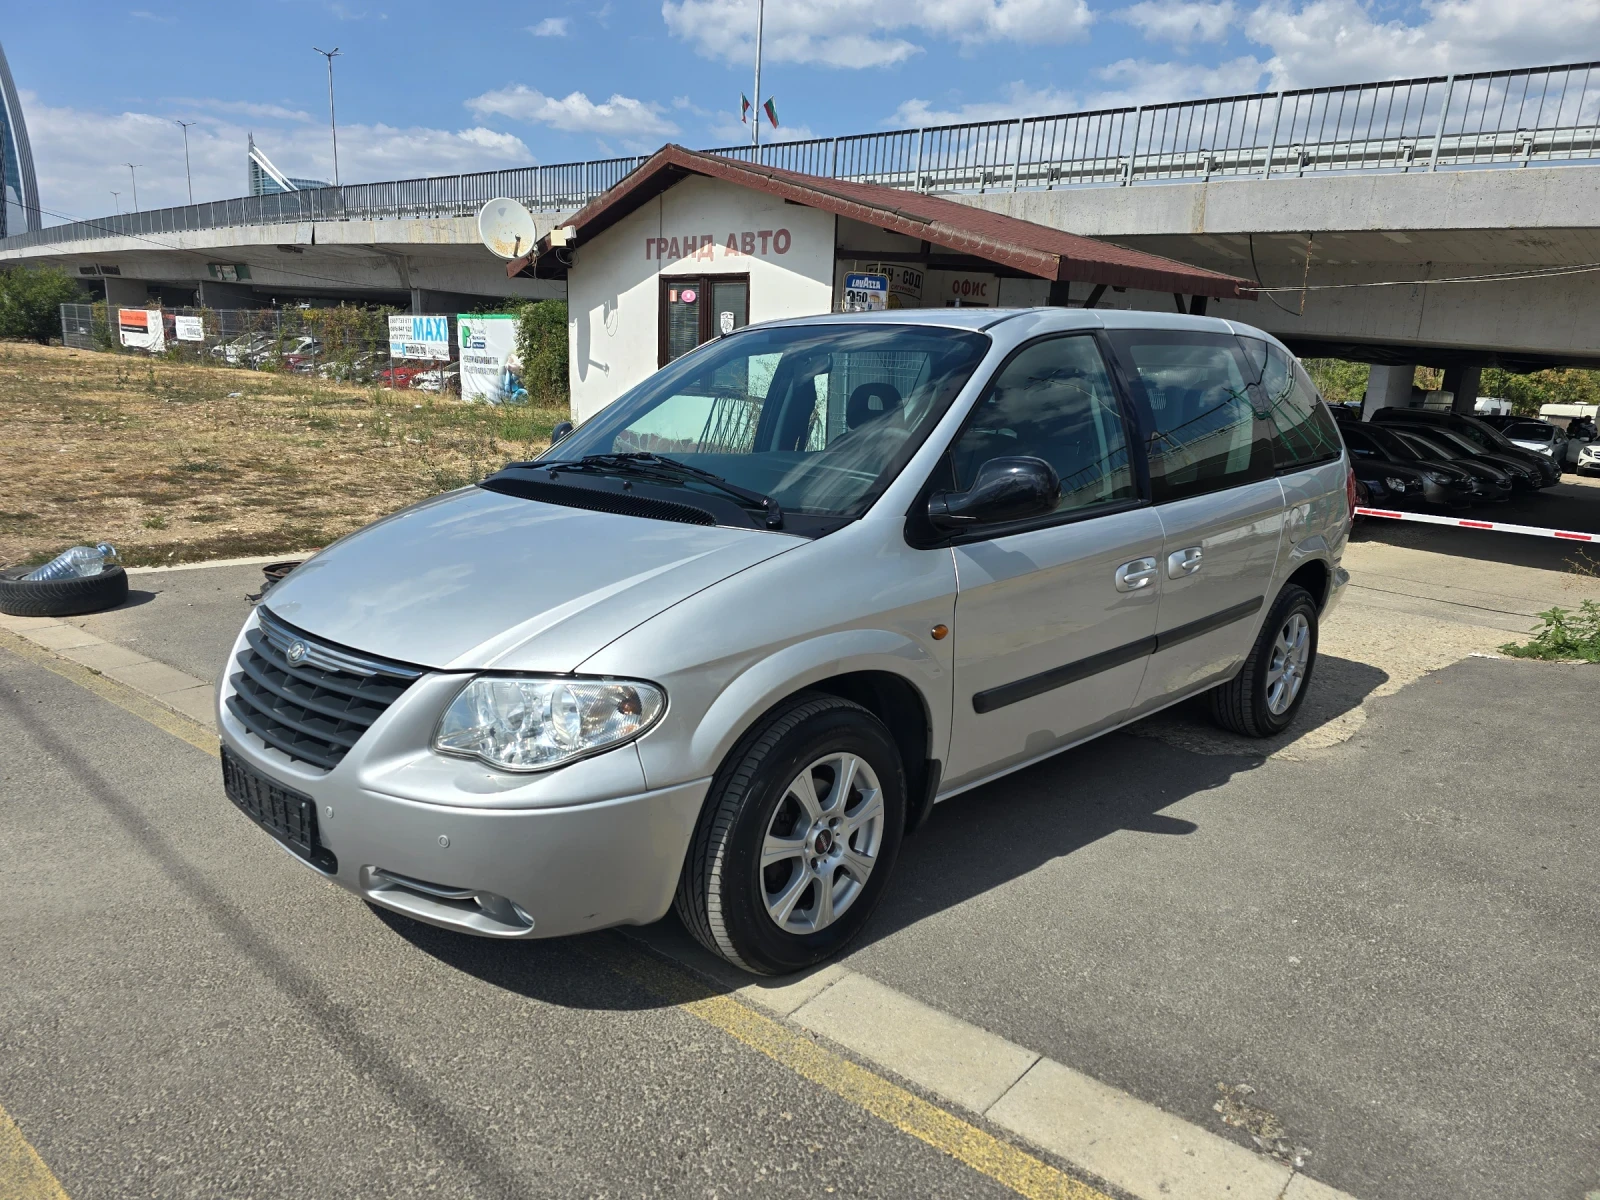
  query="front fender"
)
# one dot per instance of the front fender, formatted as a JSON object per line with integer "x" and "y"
{"x": 689, "y": 746}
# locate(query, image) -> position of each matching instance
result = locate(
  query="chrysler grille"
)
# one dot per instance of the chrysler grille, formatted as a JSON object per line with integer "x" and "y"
{"x": 307, "y": 697}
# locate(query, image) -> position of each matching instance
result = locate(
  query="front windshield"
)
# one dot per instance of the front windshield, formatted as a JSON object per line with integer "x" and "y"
{"x": 819, "y": 417}
{"x": 1430, "y": 448}
{"x": 1530, "y": 432}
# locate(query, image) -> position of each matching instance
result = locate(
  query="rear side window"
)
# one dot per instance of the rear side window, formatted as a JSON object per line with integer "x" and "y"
{"x": 1303, "y": 431}
{"x": 1202, "y": 433}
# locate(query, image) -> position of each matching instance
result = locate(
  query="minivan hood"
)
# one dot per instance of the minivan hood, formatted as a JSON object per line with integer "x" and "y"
{"x": 473, "y": 579}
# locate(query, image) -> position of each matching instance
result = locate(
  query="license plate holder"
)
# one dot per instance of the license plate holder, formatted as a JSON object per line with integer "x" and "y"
{"x": 288, "y": 815}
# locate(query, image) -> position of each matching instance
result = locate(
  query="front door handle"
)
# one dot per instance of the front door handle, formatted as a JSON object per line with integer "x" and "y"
{"x": 1183, "y": 562}
{"x": 1131, "y": 576}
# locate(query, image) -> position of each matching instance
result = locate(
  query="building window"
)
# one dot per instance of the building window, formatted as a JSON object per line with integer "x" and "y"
{"x": 697, "y": 308}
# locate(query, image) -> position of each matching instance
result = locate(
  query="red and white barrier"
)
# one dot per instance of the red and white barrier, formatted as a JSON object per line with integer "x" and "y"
{"x": 1464, "y": 523}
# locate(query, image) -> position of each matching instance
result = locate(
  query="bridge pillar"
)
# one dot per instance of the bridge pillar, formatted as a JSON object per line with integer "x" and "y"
{"x": 126, "y": 293}
{"x": 1388, "y": 387}
{"x": 1462, "y": 383}
{"x": 216, "y": 294}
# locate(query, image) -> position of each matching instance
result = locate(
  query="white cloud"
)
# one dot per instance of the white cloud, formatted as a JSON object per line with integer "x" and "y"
{"x": 550, "y": 27}
{"x": 620, "y": 116}
{"x": 245, "y": 108}
{"x": 1340, "y": 41}
{"x": 866, "y": 33}
{"x": 1019, "y": 101}
{"x": 1181, "y": 21}
{"x": 1134, "y": 81}
{"x": 76, "y": 177}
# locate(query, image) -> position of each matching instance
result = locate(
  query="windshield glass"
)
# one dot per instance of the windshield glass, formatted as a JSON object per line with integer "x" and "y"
{"x": 1429, "y": 448}
{"x": 818, "y": 417}
{"x": 1455, "y": 441}
{"x": 1530, "y": 431}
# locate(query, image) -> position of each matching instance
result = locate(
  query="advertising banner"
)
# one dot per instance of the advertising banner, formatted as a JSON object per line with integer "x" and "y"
{"x": 866, "y": 293}
{"x": 491, "y": 369}
{"x": 416, "y": 336}
{"x": 905, "y": 282}
{"x": 189, "y": 329}
{"x": 141, "y": 328}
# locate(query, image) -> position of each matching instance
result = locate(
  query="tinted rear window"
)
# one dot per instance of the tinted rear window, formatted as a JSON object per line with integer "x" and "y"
{"x": 1303, "y": 430}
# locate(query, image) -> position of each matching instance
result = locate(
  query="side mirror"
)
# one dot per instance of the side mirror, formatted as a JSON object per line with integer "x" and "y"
{"x": 560, "y": 431}
{"x": 1006, "y": 489}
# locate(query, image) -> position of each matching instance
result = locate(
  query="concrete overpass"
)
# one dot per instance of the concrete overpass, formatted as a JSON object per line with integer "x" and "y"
{"x": 1406, "y": 180}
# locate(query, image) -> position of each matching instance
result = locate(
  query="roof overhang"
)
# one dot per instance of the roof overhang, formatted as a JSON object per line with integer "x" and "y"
{"x": 1022, "y": 246}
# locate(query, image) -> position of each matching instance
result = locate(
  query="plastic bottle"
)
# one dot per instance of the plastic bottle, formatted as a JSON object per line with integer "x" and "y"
{"x": 80, "y": 562}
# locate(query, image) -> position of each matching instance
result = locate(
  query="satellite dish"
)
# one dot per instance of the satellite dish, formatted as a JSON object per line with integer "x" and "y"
{"x": 507, "y": 228}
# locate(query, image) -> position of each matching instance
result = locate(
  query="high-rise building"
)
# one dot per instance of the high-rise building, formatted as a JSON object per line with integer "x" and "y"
{"x": 267, "y": 180}
{"x": 20, "y": 211}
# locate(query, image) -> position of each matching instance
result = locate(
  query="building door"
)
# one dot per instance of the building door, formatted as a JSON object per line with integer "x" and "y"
{"x": 696, "y": 308}
{"x": 1055, "y": 619}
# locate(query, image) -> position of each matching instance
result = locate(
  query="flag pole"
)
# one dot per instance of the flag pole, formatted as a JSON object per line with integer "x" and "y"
{"x": 755, "y": 124}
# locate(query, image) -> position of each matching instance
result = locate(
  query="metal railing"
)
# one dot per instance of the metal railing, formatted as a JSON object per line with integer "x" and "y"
{"x": 1488, "y": 119}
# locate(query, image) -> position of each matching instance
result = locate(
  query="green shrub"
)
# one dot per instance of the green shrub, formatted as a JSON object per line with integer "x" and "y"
{"x": 31, "y": 300}
{"x": 1566, "y": 634}
{"x": 542, "y": 345}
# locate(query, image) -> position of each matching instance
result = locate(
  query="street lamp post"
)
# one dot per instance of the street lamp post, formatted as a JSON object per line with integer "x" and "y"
{"x": 135, "y": 179}
{"x": 188, "y": 178}
{"x": 333, "y": 126}
{"x": 116, "y": 198}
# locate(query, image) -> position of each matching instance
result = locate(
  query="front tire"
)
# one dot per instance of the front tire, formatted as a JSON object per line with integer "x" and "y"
{"x": 798, "y": 837}
{"x": 1263, "y": 698}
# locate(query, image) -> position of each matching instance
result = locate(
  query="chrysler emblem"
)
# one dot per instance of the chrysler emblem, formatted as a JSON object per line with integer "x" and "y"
{"x": 297, "y": 653}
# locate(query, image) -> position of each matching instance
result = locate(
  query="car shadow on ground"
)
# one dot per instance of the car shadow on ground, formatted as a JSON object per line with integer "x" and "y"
{"x": 971, "y": 844}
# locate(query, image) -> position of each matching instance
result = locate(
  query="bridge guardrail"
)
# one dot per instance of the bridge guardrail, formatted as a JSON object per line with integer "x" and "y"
{"x": 1484, "y": 119}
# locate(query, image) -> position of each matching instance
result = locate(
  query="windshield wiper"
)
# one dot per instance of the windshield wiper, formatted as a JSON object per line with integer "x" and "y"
{"x": 641, "y": 462}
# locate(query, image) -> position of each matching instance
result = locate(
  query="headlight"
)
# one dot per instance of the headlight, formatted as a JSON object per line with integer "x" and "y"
{"x": 527, "y": 723}
{"x": 1396, "y": 485}
{"x": 1440, "y": 478}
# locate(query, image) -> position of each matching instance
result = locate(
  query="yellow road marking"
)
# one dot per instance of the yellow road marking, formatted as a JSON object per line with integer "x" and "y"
{"x": 890, "y": 1103}
{"x": 124, "y": 697}
{"x": 903, "y": 1110}
{"x": 23, "y": 1174}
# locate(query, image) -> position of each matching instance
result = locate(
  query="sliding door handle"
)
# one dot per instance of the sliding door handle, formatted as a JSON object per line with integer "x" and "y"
{"x": 1131, "y": 576}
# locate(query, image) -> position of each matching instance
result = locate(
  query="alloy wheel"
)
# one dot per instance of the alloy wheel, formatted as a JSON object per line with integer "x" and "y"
{"x": 1286, "y": 671}
{"x": 822, "y": 843}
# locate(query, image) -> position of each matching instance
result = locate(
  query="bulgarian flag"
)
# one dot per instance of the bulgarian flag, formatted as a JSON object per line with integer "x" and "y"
{"x": 744, "y": 108}
{"x": 771, "y": 110}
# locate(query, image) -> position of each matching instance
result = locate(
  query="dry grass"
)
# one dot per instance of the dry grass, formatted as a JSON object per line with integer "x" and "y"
{"x": 177, "y": 463}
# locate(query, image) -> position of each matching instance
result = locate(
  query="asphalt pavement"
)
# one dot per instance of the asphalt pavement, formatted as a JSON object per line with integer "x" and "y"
{"x": 1383, "y": 950}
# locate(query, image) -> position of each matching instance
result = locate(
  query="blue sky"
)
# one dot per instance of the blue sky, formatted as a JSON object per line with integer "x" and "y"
{"x": 431, "y": 88}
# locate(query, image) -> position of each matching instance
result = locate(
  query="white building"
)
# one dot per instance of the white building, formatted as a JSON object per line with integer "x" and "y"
{"x": 690, "y": 246}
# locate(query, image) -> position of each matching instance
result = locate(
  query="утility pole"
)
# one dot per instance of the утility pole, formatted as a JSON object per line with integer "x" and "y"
{"x": 187, "y": 175}
{"x": 333, "y": 125}
{"x": 755, "y": 121}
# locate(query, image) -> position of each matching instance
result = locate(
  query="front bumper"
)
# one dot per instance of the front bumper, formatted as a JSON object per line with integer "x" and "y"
{"x": 457, "y": 844}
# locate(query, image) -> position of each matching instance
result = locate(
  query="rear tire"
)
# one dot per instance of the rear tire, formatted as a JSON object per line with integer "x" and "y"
{"x": 1263, "y": 698}
{"x": 813, "y": 797}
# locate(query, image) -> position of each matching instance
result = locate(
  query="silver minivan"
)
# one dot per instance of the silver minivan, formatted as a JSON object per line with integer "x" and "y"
{"x": 726, "y": 644}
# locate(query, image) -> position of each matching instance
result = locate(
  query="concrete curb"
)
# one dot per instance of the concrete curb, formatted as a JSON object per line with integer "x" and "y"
{"x": 168, "y": 686}
{"x": 258, "y": 560}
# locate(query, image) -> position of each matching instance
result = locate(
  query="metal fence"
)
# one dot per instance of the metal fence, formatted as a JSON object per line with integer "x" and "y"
{"x": 1488, "y": 119}
{"x": 340, "y": 345}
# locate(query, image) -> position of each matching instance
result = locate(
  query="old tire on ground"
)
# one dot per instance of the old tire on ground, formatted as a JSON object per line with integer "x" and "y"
{"x": 21, "y": 597}
{"x": 797, "y": 838}
{"x": 1263, "y": 698}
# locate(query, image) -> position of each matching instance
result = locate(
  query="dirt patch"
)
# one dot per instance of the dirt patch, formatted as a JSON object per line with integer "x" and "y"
{"x": 176, "y": 463}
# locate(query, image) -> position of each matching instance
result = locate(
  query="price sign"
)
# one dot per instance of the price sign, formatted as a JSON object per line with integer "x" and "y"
{"x": 865, "y": 293}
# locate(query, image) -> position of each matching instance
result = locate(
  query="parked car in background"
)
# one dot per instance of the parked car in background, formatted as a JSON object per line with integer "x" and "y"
{"x": 300, "y": 355}
{"x": 705, "y": 653}
{"x": 1589, "y": 460}
{"x": 1374, "y": 448}
{"x": 400, "y": 375}
{"x": 360, "y": 368}
{"x": 1525, "y": 477}
{"x": 1475, "y": 430}
{"x": 447, "y": 379}
{"x": 1541, "y": 438}
{"x": 243, "y": 351}
{"x": 1497, "y": 482}
{"x": 1386, "y": 484}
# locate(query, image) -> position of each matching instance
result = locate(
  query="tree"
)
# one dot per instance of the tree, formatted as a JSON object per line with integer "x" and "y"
{"x": 31, "y": 300}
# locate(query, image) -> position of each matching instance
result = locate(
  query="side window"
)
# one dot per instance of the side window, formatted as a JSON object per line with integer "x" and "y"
{"x": 1203, "y": 433}
{"x": 1053, "y": 401}
{"x": 1303, "y": 431}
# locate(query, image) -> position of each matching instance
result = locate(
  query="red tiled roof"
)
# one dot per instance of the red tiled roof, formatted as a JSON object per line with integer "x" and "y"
{"x": 1024, "y": 246}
